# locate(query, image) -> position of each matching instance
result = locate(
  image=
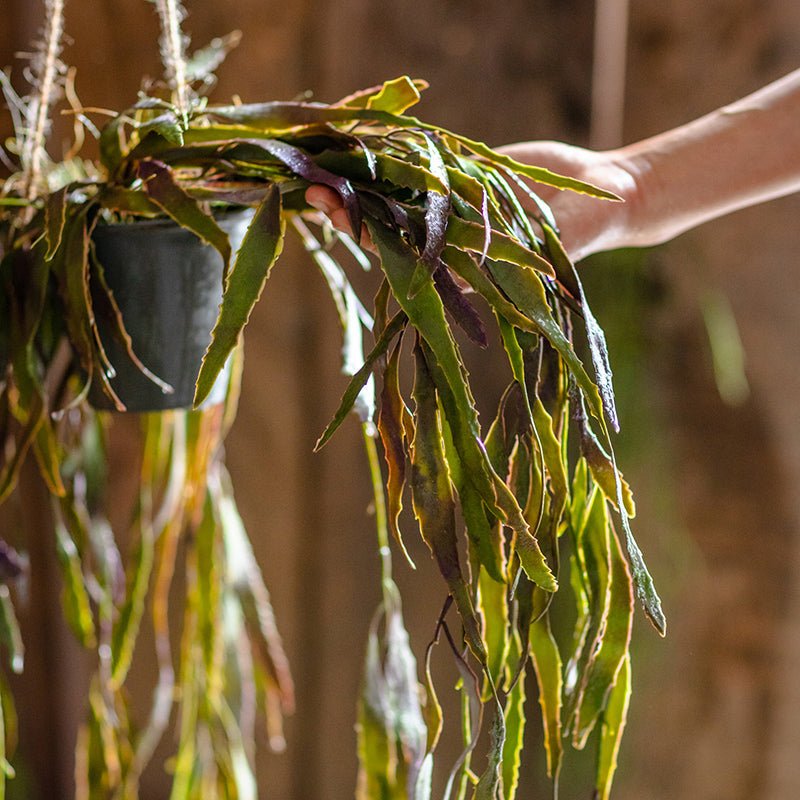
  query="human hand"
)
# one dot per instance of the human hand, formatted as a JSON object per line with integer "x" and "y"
{"x": 326, "y": 200}
{"x": 587, "y": 224}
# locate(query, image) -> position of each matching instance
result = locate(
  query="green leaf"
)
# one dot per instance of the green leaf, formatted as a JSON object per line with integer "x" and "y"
{"x": 604, "y": 471}
{"x": 471, "y": 237}
{"x": 260, "y": 248}
{"x": 553, "y": 458}
{"x": 598, "y": 349}
{"x": 613, "y": 649}
{"x": 126, "y": 628}
{"x": 593, "y": 552}
{"x": 530, "y": 553}
{"x": 494, "y": 610}
{"x": 643, "y": 581}
{"x": 72, "y": 270}
{"x": 77, "y": 608}
{"x": 547, "y": 664}
{"x": 375, "y": 749}
{"x": 611, "y": 731}
{"x": 395, "y": 96}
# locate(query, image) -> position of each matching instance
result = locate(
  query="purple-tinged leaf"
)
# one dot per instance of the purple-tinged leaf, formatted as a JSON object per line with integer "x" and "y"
{"x": 303, "y": 165}
{"x": 462, "y": 311}
{"x": 437, "y": 211}
{"x": 71, "y": 268}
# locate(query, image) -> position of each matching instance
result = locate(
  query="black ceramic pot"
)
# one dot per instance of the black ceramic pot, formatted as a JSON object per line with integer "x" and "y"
{"x": 168, "y": 286}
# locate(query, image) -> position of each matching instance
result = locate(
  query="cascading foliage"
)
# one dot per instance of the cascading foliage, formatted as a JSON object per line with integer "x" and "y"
{"x": 513, "y": 511}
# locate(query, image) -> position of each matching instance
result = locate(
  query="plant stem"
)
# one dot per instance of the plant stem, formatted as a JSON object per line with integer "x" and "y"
{"x": 173, "y": 53}
{"x": 35, "y": 138}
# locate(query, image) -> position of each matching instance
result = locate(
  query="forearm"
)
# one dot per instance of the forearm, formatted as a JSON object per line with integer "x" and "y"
{"x": 740, "y": 155}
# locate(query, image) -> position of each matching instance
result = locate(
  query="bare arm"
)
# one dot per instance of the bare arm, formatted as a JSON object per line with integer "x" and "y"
{"x": 740, "y": 155}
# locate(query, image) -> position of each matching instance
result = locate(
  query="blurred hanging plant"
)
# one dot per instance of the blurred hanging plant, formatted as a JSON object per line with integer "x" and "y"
{"x": 443, "y": 213}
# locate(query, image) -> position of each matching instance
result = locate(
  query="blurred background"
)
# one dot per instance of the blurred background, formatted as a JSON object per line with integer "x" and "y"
{"x": 714, "y": 457}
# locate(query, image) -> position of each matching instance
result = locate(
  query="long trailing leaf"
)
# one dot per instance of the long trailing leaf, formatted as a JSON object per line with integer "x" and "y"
{"x": 547, "y": 664}
{"x": 612, "y": 728}
{"x": 393, "y": 437}
{"x": 613, "y": 649}
{"x": 490, "y": 783}
{"x": 595, "y": 553}
{"x": 261, "y": 246}
{"x": 434, "y": 505}
{"x": 71, "y": 267}
{"x": 284, "y": 116}
{"x": 530, "y": 553}
{"x": 484, "y": 535}
{"x": 594, "y": 333}
{"x": 77, "y": 607}
{"x": 645, "y": 586}
{"x": 126, "y": 628}
{"x": 244, "y": 576}
{"x": 495, "y": 614}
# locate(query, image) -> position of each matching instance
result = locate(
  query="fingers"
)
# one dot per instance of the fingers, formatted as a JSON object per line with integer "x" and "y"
{"x": 323, "y": 198}
{"x": 326, "y": 200}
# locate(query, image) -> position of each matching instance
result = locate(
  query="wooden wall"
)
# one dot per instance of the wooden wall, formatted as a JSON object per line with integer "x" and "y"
{"x": 715, "y": 702}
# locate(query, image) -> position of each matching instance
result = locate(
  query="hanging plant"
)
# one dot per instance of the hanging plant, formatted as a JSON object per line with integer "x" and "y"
{"x": 455, "y": 226}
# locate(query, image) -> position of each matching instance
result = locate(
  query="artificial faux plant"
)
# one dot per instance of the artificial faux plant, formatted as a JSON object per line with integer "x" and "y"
{"x": 444, "y": 213}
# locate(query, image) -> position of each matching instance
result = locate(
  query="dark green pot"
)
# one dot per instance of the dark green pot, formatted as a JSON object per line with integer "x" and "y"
{"x": 168, "y": 286}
